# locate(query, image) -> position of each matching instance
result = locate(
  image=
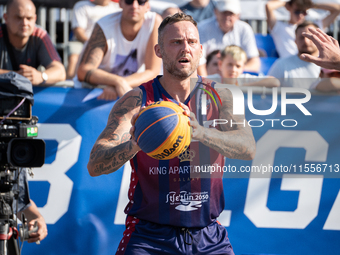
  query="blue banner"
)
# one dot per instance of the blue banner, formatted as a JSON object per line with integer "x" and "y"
{"x": 285, "y": 201}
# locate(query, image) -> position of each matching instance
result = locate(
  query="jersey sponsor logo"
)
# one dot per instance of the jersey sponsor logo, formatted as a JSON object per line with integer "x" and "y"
{"x": 187, "y": 155}
{"x": 187, "y": 201}
{"x": 154, "y": 170}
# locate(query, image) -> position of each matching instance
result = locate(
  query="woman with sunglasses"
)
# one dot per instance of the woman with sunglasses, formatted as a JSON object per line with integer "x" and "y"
{"x": 283, "y": 33}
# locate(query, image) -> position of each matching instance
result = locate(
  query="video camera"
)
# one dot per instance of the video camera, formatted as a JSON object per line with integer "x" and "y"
{"x": 17, "y": 125}
{"x": 18, "y": 150}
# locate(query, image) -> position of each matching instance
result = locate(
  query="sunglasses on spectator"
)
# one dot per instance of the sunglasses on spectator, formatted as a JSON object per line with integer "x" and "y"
{"x": 298, "y": 12}
{"x": 140, "y": 2}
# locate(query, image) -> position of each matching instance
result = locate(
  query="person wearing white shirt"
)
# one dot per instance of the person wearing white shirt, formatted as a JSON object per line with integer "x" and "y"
{"x": 294, "y": 71}
{"x": 226, "y": 29}
{"x": 283, "y": 33}
{"x": 84, "y": 16}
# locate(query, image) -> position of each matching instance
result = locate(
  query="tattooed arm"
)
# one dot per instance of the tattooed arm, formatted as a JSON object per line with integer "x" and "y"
{"x": 234, "y": 141}
{"x": 113, "y": 147}
{"x": 92, "y": 57}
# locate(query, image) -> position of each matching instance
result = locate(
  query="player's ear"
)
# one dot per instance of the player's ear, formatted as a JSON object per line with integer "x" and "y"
{"x": 158, "y": 51}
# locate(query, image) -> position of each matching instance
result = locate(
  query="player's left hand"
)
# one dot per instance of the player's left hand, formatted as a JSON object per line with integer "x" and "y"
{"x": 42, "y": 230}
{"x": 31, "y": 73}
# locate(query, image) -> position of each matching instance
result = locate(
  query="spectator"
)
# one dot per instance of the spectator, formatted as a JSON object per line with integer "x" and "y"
{"x": 226, "y": 29}
{"x": 329, "y": 81}
{"x": 231, "y": 65}
{"x": 199, "y": 9}
{"x": 212, "y": 62}
{"x": 170, "y": 11}
{"x": 329, "y": 52}
{"x": 283, "y": 33}
{"x": 84, "y": 17}
{"x": 294, "y": 66}
{"x": 120, "y": 53}
{"x": 24, "y": 47}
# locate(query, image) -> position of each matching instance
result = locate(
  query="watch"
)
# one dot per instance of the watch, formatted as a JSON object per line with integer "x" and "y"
{"x": 44, "y": 77}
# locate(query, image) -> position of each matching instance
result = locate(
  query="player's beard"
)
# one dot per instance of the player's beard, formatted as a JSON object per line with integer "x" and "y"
{"x": 170, "y": 67}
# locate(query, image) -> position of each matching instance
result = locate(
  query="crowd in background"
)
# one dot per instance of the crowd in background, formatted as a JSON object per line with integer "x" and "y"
{"x": 112, "y": 46}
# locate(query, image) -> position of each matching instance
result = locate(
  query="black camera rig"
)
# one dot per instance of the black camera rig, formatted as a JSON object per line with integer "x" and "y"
{"x": 18, "y": 150}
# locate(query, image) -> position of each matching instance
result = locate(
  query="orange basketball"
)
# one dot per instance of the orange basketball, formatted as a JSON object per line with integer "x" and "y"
{"x": 162, "y": 130}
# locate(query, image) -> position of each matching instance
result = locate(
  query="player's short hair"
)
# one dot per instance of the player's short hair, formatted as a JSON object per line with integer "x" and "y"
{"x": 177, "y": 17}
{"x": 301, "y": 4}
{"x": 304, "y": 24}
{"x": 236, "y": 52}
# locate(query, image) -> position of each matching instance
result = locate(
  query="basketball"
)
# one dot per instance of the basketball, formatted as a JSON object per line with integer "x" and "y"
{"x": 162, "y": 130}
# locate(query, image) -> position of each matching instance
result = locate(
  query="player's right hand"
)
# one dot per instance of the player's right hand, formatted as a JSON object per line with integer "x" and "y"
{"x": 132, "y": 129}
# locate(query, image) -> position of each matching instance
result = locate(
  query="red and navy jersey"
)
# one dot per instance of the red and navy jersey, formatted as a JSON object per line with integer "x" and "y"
{"x": 39, "y": 50}
{"x": 178, "y": 192}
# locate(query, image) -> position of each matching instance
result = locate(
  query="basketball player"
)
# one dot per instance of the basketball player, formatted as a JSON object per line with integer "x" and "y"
{"x": 169, "y": 212}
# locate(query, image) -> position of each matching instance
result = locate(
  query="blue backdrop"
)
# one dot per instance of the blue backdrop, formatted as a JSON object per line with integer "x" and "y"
{"x": 283, "y": 213}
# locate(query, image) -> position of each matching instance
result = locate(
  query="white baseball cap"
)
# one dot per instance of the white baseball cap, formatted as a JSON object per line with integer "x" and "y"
{"x": 233, "y": 6}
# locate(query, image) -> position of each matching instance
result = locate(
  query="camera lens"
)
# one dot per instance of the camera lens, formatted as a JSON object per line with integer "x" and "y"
{"x": 23, "y": 153}
{"x": 26, "y": 152}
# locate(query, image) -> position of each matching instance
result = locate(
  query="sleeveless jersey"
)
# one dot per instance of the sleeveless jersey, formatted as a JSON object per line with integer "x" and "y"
{"x": 125, "y": 57}
{"x": 178, "y": 192}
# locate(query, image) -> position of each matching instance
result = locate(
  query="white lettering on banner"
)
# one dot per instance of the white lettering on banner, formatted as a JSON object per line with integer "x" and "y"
{"x": 310, "y": 188}
{"x": 60, "y": 191}
{"x": 333, "y": 221}
{"x": 238, "y": 100}
{"x": 297, "y": 101}
{"x": 258, "y": 189}
{"x": 262, "y": 112}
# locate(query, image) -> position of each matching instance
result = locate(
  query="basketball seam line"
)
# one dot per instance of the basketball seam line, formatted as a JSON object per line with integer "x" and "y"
{"x": 156, "y": 122}
{"x": 151, "y": 152}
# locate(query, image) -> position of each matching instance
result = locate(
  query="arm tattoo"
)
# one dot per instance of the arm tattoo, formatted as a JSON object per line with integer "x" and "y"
{"x": 88, "y": 76}
{"x": 126, "y": 137}
{"x": 95, "y": 48}
{"x": 236, "y": 141}
{"x": 114, "y": 147}
{"x": 109, "y": 163}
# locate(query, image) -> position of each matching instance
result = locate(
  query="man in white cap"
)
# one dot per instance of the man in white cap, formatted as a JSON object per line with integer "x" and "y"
{"x": 227, "y": 29}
